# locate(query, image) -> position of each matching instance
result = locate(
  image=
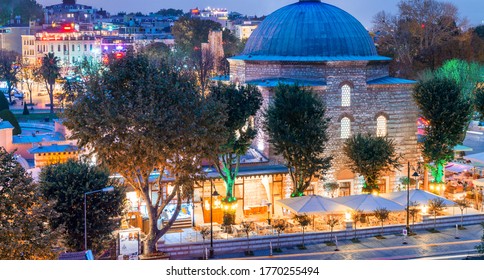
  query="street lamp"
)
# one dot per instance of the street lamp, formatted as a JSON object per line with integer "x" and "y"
{"x": 212, "y": 194}
{"x": 107, "y": 189}
{"x": 415, "y": 175}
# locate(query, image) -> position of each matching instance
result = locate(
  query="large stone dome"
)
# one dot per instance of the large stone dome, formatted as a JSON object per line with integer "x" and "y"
{"x": 310, "y": 29}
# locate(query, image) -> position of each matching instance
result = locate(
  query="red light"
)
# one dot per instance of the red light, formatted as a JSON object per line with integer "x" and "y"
{"x": 423, "y": 25}
{"x": 119, "y": 55}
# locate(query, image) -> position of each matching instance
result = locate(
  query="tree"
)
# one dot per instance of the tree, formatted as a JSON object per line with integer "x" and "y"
{"x": 414, "y": 210}
{"x": 331, "y": 188}
{"x": 65, "y": 184}
{"x": 27, "y": 10}
{"x": 143, "y": 117}
{"x": 241, "y": 105}
{"x": 7, "y": 115}
{"x": 304, "y": 221}
{"x": 9, "y": 69}
{"x": 247, "y": 228}
{"x": 479, "y": 101}
{"x": 280, "y": 226}
{"x": 355, "y": 216}
{"x": 382, "y": 215}
{"x": 24, "y": 213}
{"x": 436, "y": 206}
{"x": 49, "y": 71}
{"x": 443, "y": 105}
{"x": 462, "y": 204}
{"x": 296, "y": 124}
{"x": 371, "y": 156}
{"x": 480, "y": 247}
{"x": 3, "y": 103}
{"x": 332, "y": 222}
{"x": 418, "y": 35}
{"x": 28, "y": 78}
{"x": 190, "y": 33}
{"x": 170, "y": 12}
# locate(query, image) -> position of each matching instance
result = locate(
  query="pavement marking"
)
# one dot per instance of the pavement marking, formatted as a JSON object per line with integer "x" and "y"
{"x": 343, "y": 251}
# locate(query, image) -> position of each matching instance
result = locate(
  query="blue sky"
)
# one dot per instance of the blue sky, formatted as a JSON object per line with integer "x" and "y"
{"x": 363, "y": 10}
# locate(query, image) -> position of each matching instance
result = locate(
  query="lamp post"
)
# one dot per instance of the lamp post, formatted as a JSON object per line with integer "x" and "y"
{"x": 107, "y": 189}
{"x": 415, "y": 175}
{"x": 212, "y": 194}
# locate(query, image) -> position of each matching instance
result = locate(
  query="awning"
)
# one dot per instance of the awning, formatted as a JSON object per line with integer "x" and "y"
{"x": 419, "y": 196}
{"x": 475, "y": 158}
{"x": 458, "y": 167}
{"x": 368, "y": 203}
{"x": 462, "y": 148}
{"x": 312, "y": 204}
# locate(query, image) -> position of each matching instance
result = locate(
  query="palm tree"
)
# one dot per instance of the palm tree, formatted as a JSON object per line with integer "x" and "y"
{"x": 49, "y": 71}
{"x": 303, "y": 221}
{"x": 381, "y": 214}
{"x": 280, "y": 226}
{"x": 436, "y": 206}
{"x": 463, "y": 204}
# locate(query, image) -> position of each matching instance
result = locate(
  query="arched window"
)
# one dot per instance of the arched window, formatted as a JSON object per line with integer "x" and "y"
{"x": 345, "y": 96}
{"x": 381, "y": 126}
{"x": 345, "y": 128}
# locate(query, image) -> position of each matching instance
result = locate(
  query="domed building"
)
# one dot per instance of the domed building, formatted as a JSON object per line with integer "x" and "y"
{"x": 323, "y": 47}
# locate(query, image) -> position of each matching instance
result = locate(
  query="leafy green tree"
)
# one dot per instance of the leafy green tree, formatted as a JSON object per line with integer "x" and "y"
{"x": 304, "y": 221}
{"x": 190, "y": 33}
{"x": 26, "y": 9}
{"x": 143, "y": 117}
{"x": 65, "y": 185}
{"x": 478, "y": 101}
{"x": 7, "y": 115}
{"x": 465, "y": 74}
{"x": 49, "y": 71}
{"x": 9, "y": 69}
{"x": 3, "y": 103}
{"x": 297, "y": 125}
{"x": 371, "y": 156}
{"x": 241, "y": 105}
{"x": 170, "y": 12}
{"x": 247, "y": 228}
{"x": 444, "y": 106}
{"x": 28, "y": 78}
{"x": 24, "y": 213}
{"x": 382, "y": 215}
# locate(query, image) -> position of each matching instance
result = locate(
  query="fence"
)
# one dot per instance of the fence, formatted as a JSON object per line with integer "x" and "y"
{"x": 198, "y": 249}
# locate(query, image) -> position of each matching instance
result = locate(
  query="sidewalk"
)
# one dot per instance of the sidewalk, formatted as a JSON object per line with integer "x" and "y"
{"x": 421, "y": 245}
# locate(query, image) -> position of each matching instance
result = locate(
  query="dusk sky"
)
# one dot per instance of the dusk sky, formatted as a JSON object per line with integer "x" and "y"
{"x": 363, "y": 10}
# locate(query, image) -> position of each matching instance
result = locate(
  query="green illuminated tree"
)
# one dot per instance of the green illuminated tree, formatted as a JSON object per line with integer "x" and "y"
{"x": 24, "y": 213}
{"x": 241, "y": 105}
{"x": 443, "y": 105}
{"x": 371, "y": 156}
{"x": 296, "y": 124}
{"x": 65, "y": 184}
{"x": 143, "y": 117}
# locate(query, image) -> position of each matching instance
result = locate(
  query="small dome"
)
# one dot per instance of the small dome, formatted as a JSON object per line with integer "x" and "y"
{"x": 310, "y": 28}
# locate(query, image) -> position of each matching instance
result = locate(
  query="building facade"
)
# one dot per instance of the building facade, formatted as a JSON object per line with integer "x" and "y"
{"x": 326, "y": 49}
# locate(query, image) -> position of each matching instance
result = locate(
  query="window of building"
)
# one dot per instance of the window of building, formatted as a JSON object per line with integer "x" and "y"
{"x": 58, "y": 48}
{"x": 381, "y": 126}
{"x": 345, "y": 96}
{"x": 73, "y": 48}
{"x": 51, "y": 48}
{"x": 90, "y": 47}
{"x": 345, "y": 128}
{"x": 85, "y": 47}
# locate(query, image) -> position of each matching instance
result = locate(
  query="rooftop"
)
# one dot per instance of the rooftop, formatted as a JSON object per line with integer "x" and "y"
{"x": 310, "y": 29}
{"x": 54, "y": 148}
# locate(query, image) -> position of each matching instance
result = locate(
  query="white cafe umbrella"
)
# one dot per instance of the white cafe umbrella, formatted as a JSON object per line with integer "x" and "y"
{"x": 419, "y": 196}
{"x": 368, "y": 203}
{"x": 312, "y": 204}
{"x": 478, "y": 182}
